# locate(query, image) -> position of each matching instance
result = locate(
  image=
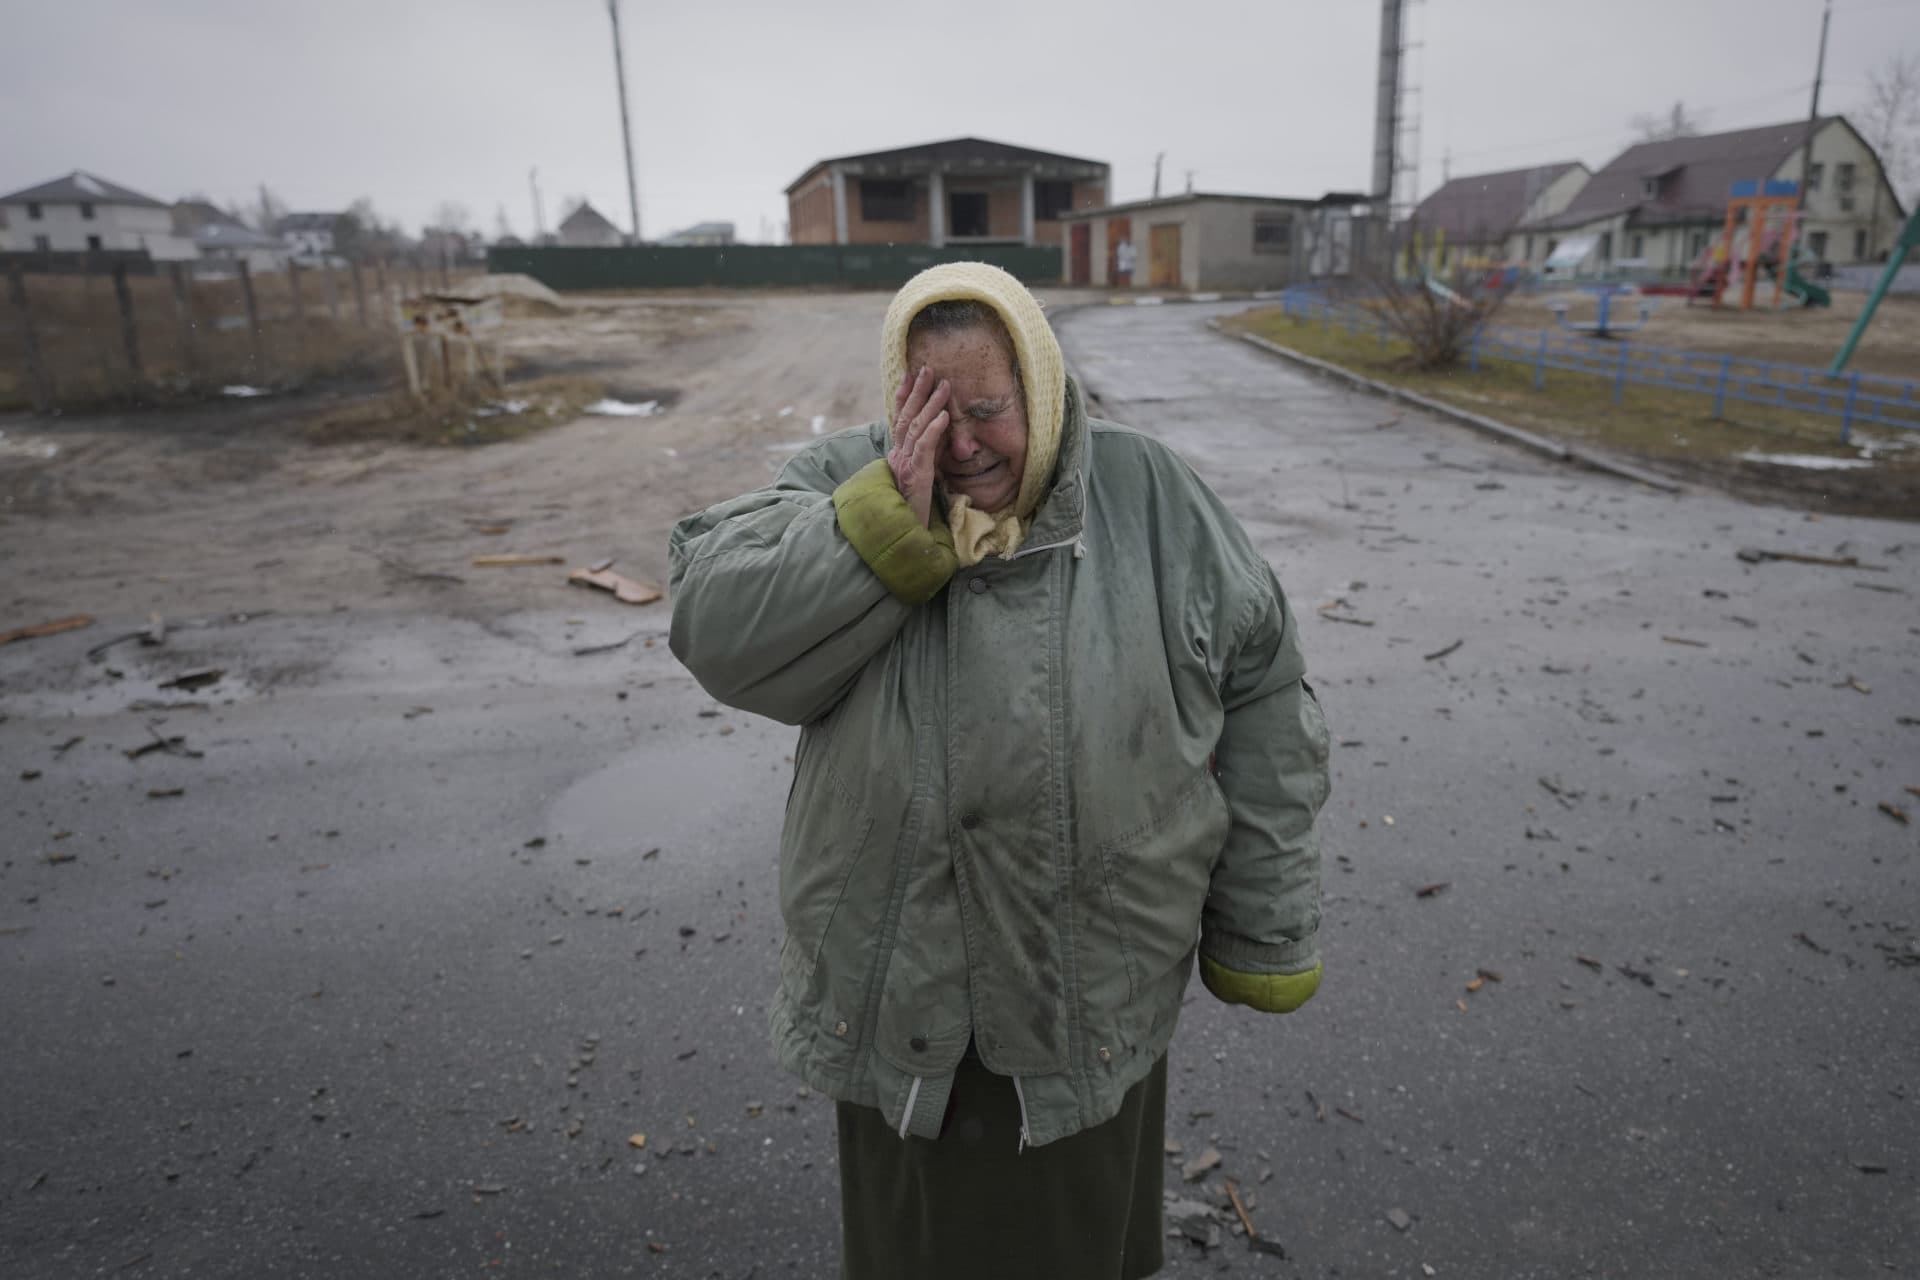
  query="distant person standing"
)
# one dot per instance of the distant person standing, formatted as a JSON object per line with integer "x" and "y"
{"x": 1055, "y": 742}
{"x": 1123, "y": 260}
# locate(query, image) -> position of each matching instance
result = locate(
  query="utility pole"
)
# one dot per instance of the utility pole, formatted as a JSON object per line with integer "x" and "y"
{"x": 626, "y": 132}
{"x": 1189, "y": 182}
{"x": 1813, "y": 111}
{"x": 539, "y": 222}
{"x": 1156, "y": 174}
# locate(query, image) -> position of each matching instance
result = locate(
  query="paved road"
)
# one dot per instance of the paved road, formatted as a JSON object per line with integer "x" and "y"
{"x": 445, "y": 914}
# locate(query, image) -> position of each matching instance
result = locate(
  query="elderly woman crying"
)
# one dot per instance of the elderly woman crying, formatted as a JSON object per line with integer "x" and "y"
{"x": 1056, "y": 743}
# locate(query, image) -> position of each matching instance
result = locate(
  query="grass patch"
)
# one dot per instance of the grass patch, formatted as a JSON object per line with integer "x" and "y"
{"x": 1650, "y": 422}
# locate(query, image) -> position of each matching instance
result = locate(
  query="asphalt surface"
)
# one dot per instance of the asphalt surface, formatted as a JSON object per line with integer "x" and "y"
{"x": 444, "y": 914}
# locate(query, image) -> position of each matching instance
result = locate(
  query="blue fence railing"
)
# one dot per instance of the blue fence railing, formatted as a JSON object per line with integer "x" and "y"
{"x": 1854, "y": 398}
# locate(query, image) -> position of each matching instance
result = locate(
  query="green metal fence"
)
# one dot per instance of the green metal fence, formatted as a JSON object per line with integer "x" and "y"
{"x": 749, "y": 266}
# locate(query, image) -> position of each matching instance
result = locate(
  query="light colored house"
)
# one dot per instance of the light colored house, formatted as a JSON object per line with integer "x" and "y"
{"x": 587, "y": 228}
{"x": 1198, "y": 240}
{"x": 309, "y": 236}
{"x": 700, "y": 233}
{"x": 1658, "y": 206}
{"x": 1470, "y": 220}
{"x": 81, "y": 213}
{"x": 958, "y": 192}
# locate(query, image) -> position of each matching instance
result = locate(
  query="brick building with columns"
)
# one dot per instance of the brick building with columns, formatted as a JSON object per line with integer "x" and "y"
{"x": 954, "y": 193}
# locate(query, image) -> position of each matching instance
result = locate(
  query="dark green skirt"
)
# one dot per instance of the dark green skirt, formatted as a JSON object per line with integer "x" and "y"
{"x": 973, "y": 1206}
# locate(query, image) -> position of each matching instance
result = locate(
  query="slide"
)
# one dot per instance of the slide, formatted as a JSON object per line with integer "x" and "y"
{"x": 1809, "y": 293}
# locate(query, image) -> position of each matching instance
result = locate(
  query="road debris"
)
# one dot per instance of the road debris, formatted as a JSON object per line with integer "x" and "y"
{"x": 626, "y": 590}
{"x": 515, "y": 561}
{"x": 54, "y": 859}
{"x": 1233, "y": 1194}
{"x": 1201, "y": 1165}
{"x": 1433, "y": 890}
{"x": 1590, "y": 962}
{"x": 1758, "y": 555}
{"x": 1197, "y": 1222}
{"x": 406, "y": 570}
{"x": 587, "y": 650}
{"x": 53, "y": 628}
{"x": 1441, "y": 653}
{"x": 165, "y": 793}
{"x": 199, "y": 678}
{"x": 173, "y": 746}
{"x": 1400, "y": 1219}
{"x": 1696, "y": 644}
{"x": 1895, "y": 812}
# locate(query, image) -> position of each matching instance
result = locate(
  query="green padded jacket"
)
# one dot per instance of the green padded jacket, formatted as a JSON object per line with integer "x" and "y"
{"x": 1023, "y": 791}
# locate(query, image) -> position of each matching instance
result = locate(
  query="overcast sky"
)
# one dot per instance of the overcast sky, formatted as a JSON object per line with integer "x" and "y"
{"x": 416, "y": 102}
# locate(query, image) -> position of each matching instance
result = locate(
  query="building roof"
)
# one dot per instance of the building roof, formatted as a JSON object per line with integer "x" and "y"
{"x": 1695, "y": 175}
{"x": 953, "y": 154}
{"x": 191, "y": 215}
{"x": 233, "y": 235}
{"x": 307, "y": 222}
{"x": 1187, "y": 198}
{"x": 587, "y": 218}
{"x": 81, "y": 187}
{"x": 1487, "y": 204}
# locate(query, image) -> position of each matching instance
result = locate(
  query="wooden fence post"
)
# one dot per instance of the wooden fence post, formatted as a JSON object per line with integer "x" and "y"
{"x": 359, "y": 293}
{"x": 386, "y": 292}
{"x": 129, "y": 332}
{"x": 36, "y": 368}
{"x": 183, "y": 312}
{"x": 333, "y": 291}
{"x": 299, "y": 312}
{"x": 253, "y": 315}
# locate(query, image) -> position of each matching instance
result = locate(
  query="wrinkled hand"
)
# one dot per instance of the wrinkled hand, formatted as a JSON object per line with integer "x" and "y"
{"x": 919, "y": 429}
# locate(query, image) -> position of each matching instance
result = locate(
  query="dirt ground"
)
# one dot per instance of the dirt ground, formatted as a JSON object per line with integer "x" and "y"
{"x": 233, "y": 507}
{"x": 1795, "y": 335}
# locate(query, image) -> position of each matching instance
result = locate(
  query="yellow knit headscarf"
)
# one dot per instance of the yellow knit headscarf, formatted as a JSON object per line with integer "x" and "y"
{"x": 979, "y": 534}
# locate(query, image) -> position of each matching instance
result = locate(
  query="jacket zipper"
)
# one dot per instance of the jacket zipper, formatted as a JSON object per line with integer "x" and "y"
{"x": 1021, "y": 1094}
{"x": 906, "y": 1116}
{"x": 1079, "y": 549}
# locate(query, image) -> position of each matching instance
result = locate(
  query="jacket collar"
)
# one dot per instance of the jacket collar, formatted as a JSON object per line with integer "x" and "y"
{"x": 1062, "y": 513}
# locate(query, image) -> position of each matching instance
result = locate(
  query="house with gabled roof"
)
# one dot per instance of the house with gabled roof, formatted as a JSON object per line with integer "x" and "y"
{"x": 957, "y": 192}
{"x": 1658, "y": 206}
{"x": 1469, "y": 219}
{"x": 84, "y": 213}
{"x": 587, "y": 228}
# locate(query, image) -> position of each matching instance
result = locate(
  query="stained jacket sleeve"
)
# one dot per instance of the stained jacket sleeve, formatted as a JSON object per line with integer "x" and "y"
{"x": 775, "y": 611}
{"x": 1258, "y": 933}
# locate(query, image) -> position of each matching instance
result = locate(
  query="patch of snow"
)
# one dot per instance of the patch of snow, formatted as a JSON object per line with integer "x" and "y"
{"x": 515, "y": 407}
{"x": 241, "y": 391}
{"x": 819, "y": 424}
{"x": 786, "y": 411}
{"x": 88, "y": 185}
{"x": 624, "y": 409}
{"x": 1809, "y": 461}
{"x": 673, "y": 453}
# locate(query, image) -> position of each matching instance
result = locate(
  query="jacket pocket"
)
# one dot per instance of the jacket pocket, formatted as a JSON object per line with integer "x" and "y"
{"x": 826, "y": 833}
{"x": 1156, "y": 879}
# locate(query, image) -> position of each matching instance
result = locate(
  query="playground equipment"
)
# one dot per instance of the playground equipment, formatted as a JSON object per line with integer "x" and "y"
{"x": 1909, "y": 241}
{"x": 1603, "y": 325}
{"x": 1769, "y": 247}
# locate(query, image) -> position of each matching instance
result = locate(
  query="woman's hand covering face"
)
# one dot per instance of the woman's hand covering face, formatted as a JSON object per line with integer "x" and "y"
{"x": 920, "y": 421}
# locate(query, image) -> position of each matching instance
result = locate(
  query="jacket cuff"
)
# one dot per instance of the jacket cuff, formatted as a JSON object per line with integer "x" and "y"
{"x": 912, "y": 560}
{"x": 1267, "y": 992}
{"x": 1243, "y": 955}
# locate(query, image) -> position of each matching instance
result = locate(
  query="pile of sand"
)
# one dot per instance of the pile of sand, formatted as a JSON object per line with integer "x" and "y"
{"x": 520, "y": 294}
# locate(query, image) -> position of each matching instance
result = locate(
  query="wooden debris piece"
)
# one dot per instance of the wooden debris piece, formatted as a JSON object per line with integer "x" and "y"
{"x": 53, "y": 628}
{"x": 514, "y": 561}
{"x": 626, "y": 590}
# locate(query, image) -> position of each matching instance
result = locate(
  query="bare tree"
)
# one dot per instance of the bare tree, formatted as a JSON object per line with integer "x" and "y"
{"x": 451, "y": 215}
{"x": 502, "y": 229}
{"x": 1438, "y": 322}
{"x": 1676, "y": 123}
{"x": 1891, "y": 122}
{"x": 267, "y": 211}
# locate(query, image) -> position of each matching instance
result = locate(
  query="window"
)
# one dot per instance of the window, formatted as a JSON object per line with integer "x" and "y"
{"x": 1649, "y": 188}
{"x": 967, "y": 214}
{"x": 1051, "y": 199}
{"x": 1843, "y": 179}
{"x": 1273, "y": 232}
{"x": 1638, "y": 246}
{"x": 41, "y": 244}
{"x": 93, "y": 242}
{"x": 1815, "y": 172}
{"x": 33, "y": 211}
{"x": 1696, "y": 244}
{"x": 1817, "y": 243}
{"x": 1860, "y": 246}
{"x": 86, "y": 210}
{"x": 885, "y": 201}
